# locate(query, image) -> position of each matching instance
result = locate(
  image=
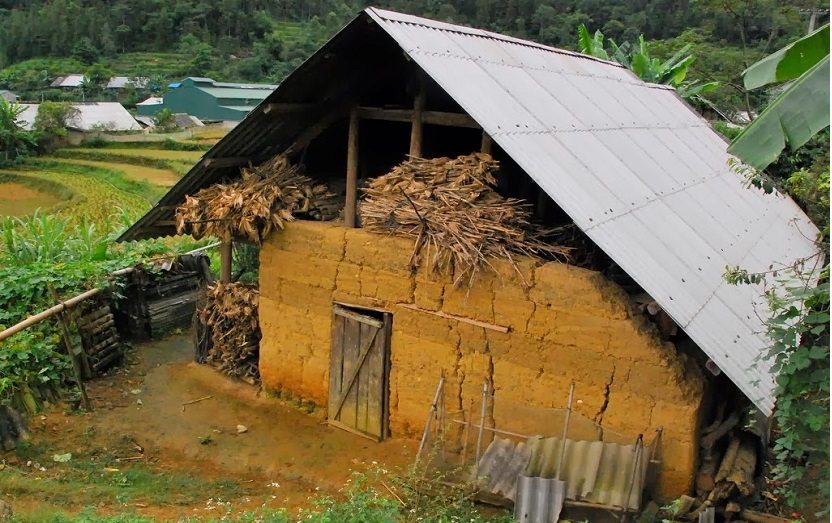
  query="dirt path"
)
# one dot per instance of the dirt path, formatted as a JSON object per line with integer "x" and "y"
{"x": 284, "y": 456}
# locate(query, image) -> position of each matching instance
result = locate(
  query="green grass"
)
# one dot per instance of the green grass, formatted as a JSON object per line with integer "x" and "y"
{"x": 96, "y": 478}
{"x": 141, "y": 189}
{"x": 167, "y": 145}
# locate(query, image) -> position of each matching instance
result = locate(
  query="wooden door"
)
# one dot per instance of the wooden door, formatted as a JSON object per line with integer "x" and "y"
{"x": 358, "y": 372}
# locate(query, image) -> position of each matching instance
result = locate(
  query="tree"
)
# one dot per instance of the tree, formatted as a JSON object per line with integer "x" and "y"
{"x": 789, "y": 120}
{"x": 85, "y": 51}
{"x": 52, "y": 121}
{"x": 15, "y": 142}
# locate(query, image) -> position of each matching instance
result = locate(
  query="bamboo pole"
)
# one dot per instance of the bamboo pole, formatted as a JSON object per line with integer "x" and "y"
{"x": 431, "y": 415}
{"x": 565, "y": 430}
{"x": 352, "y": 170}
{"x": 417, "y": 123}
{"x": 482, "y": 426}
{"x": 226, "y": 261}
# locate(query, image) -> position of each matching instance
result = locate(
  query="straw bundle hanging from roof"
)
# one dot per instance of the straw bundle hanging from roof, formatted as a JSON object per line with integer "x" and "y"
{"x": 266, "y": 197}
{"x": 450, "y": 207}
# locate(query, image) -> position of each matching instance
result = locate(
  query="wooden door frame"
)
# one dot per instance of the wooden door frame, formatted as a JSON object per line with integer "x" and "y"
{"x": 385, "y": 330}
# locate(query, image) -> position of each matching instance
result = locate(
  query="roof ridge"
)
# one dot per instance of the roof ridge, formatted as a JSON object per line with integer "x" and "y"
{"x": 395, "y": 16}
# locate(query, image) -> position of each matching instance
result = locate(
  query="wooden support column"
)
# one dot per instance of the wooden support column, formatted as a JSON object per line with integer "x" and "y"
{"x": 225, "y": 262}
{"x": 486, "y": 143}
{"x": 352, "y": 170}
{"x": 417, "y": 122}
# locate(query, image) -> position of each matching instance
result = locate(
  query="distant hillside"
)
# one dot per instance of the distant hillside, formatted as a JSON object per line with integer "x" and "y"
{"x": 263, "y": 40}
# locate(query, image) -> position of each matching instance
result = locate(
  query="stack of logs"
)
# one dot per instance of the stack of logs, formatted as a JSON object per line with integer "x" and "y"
{"x": 99, "y": 337}
{"x": 727, "y": 480}
{"x": 230, "y": 340}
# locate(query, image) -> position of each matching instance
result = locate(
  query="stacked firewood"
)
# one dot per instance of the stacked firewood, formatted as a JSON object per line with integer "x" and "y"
{"x": 450, "y": 208}
{"x": 265, "y": 198}
{"x": 229, "y": 313}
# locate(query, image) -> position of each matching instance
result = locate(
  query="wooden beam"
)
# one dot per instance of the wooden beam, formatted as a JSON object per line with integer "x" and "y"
{"x": 428, "y": 117}
{"x": 416, "y": 122}
{"x": 231, "y": 161}
{"x": 315, "y": 130}
{"x": 352, "y": 170}
{"x": 484, "y": 325}
{"x": 286, "y": 107}
{"x": 486, "y": 144}
{"x": 225, "y": 262}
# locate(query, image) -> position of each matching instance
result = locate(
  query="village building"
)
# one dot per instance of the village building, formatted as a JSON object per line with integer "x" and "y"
{"x": 208, "y": 100}
{"x": 7, "y": 95}
{"x": 638, "y": 328}
{"x": 90, "y": 116}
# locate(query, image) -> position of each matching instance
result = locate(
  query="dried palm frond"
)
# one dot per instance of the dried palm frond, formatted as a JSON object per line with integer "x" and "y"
{"x": 452, "y": 210}
{"x": 265, "y": 198}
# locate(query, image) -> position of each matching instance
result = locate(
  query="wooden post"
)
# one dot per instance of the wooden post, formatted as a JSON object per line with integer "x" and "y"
{"x": 225, "y": 262}
{"x": 486, "y": 143}
{"x": 70, "y": 351}
{"x": 416, "y": 122}
{"x": 352, "y": 170}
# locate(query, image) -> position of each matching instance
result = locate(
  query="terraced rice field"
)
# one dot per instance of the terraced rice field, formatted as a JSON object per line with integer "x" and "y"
{"x": 19, "y": 199}
{"x": 89, "y": 195}
{"x": 141, "y": 173}
{"x": 158, "y": 154}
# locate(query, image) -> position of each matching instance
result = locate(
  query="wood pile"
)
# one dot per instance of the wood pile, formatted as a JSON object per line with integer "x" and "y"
{"x": 100, "y": 339}
{"x": 230, "y": 315}
{"x": 456, "y": 217}
{"x": 265, "y": 198}
{"x": 728, "y": 477}
{"x": 161, "y": 298}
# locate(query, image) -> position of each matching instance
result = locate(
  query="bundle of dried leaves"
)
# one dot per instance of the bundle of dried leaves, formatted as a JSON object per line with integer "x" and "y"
{"x": 457, "y": 218}
{"x": 266, "y": 197}
{"x": 230, "y": 314}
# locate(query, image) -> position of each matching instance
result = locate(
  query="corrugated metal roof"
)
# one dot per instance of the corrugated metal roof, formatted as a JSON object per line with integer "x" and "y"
{"x": 237, "y": 93}
{"x": 539, "y": 500}
{"x": 636, "y": 169}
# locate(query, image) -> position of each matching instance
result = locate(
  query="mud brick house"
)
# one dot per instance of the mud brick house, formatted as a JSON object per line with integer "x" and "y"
{"x": 642, "y": 177}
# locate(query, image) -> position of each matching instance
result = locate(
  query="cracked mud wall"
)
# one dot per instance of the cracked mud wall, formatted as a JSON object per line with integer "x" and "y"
{"x": 565, "y": 323}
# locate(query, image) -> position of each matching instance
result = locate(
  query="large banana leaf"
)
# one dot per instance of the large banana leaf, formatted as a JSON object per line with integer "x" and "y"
{"x": 789, "y": 62}
{"x": 791, "y": 119}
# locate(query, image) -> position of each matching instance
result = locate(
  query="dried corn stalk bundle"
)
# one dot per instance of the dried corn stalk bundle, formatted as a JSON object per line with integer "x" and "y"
{"x": 230, "y": 314}
{"x": 266, "y": 197}
{"x": 450, "y": 207}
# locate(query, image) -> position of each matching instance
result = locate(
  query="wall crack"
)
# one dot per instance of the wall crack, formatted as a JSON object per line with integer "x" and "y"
{"x": 599, "y": 416}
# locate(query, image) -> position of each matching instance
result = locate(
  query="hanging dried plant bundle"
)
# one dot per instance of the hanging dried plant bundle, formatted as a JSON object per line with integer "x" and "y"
{"x": 267, "y": 196}
{"x": 230, "y": 313}
{"x": 452, "y": 210}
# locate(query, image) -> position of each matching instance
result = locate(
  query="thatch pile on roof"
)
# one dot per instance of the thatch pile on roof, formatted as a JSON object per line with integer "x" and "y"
{"x": 450, "y": 208}
{"x": 265, "y": 198}
{"x": 230, "y": 314}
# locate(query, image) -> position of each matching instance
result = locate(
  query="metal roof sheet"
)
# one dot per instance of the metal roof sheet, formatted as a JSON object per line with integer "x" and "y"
{"x": 237, "y": 93}
{"x": 635, "y": 168}
{"x": 107, "y": 116}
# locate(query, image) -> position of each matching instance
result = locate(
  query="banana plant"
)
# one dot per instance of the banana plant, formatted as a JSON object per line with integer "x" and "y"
{"x": 672, "y": 71}
{"x": 799, "y": 112}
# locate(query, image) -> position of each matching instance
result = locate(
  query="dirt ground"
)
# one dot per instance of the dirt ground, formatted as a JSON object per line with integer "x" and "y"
{"x": 190, "y": 456}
